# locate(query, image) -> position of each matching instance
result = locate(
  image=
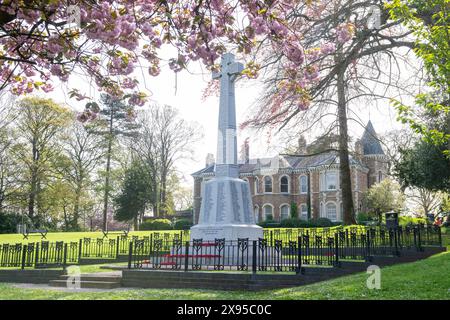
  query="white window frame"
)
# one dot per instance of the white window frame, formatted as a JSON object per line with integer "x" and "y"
{"x": 327, "y": 174}
{"x": 304, "y": 216}
{"x": 288, "y": 211}
{"x": 288, "y": 183}
{"x": 300, "y": 184}
{"x": 336, "y": 211}
{"x": 264, "y": 211}
{"x": 264, "y": 184}
{"x": 256, "y": 213}
{"x": 256, "y": 185}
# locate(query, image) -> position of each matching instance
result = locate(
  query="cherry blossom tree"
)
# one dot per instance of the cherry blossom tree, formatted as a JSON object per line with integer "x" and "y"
{"x": 336, "y": 51}
{"x": 106, "y": 40}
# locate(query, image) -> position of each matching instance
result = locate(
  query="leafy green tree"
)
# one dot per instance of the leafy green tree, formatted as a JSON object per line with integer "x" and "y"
{"x": 39, "y": 125}
{"x": 429, "y": 21}
{"x": 424, "y": 166}
{"x": 294, "y": 210}
{"x": 113, "y": 119}
{"x": 131, "y": 202}
{"x": 385, "y": 196}
{"x": 83, "y": 152}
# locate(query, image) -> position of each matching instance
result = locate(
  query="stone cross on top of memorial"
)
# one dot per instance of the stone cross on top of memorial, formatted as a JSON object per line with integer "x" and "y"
{"x": 226, "y": 163}
{"x": 226, "y": 210}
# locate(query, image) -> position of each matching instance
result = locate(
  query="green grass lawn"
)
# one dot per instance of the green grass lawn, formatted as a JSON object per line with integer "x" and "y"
{"x": 70, "y": 236}
{"x": 75, "y": 236}
{"x": 425, "y": 279}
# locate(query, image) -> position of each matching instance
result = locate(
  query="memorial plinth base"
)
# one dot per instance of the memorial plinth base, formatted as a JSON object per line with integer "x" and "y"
{"x": 209, "y": 232}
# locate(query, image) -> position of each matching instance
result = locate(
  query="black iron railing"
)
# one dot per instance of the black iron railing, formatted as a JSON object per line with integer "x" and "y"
{"x": 279, "y": 250}
{"x": 317, "y": 248}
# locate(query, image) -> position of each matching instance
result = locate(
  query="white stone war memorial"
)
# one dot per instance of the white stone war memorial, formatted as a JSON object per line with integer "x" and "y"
{"x": 226, "y": 208}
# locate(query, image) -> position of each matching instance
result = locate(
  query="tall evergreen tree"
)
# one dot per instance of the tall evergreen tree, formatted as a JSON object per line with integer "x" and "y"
{"x": 113, "y": 119}
{"x": 131, "y": 202}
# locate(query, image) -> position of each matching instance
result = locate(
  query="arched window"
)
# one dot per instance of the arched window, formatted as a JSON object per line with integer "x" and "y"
{"x": 267, "y": 184}
{"x": 303, "y": 184}
{"x": 331, "y": 212}
{"x": 284, "y": 184}
{"x": 256, "y": 185}
{"x": 304, "y": 211}
{"x": 380, "y": 176}
{"x": 268, "y": 212}
{"x": 256, "y": 213}
{"x": 284, "y": 212}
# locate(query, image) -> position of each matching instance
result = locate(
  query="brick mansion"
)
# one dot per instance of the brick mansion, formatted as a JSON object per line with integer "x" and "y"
{"x": 309, "y": 180}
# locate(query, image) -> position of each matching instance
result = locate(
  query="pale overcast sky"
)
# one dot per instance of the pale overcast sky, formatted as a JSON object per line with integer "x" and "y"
{"x": 188, "y": 100}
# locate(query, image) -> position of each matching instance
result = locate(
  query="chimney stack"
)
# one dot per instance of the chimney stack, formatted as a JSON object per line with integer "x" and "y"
{"x": 209, "y": 160}
{"x": 359, "y": 149}
{"x": 301, "y": 149}
{"x": 245, "y": 152}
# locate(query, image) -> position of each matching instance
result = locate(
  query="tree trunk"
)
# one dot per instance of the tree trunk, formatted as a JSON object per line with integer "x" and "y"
{"x": 76, "y": 207}
{"x": 163, "y": 208}
{"x": 344, "y": 163}
{"x": 106, "y": 194}
{"x": 108, "y": 170}
{"x": 32, "y": 196}
{"x": 136, "y": 224}
{"x": 66, "y": 220}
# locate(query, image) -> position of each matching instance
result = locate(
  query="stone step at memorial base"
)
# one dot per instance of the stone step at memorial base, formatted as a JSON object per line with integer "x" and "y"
{"x": 87, "y": 284}
{"x": 103, "y": 280}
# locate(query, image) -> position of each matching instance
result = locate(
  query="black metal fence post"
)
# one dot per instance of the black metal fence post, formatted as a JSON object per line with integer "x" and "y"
{"x": 419, "y": 238}
{"x": 36, "y": 257}
{"x": 80, "y": 248}
{"x": 254, "y": 257}
{"x": 439, "y": 236}
{"x": 336, "y": 249}
{"x": 186, "y": 257}
{"x": 299, "y": 255}
{"x": 117, "y": 247}
{"x": 24, "y": 252}
{"x": 395, "y": 232}
{"x": 368, "y": 256}
{"x": 65, "y": 257}
{"x": 271, "y": 238}
{"x": 130, "y": 254}
{"x": 150, "y": 249}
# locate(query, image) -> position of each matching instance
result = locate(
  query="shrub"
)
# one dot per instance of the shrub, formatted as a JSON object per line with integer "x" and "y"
{"x": 362, "y": 217}
{"x": 294, "y": 210}
{"x": 403, "y": 220}
{"x": 182, "y": 224}
{"x": 269, "y": 224}
{"x": 8, "y": 222}
{"x": 323, "y": 222}
{"x": 295, "y": 223}
{"x": 157, "y": 224}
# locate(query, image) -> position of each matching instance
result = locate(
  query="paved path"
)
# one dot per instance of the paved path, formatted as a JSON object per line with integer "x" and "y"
{"x": 62, "y": 289}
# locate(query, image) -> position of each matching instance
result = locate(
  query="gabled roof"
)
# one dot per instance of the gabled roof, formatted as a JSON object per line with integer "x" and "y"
{"x": 293, "y": 162}
{"x": 370, "y": 142}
